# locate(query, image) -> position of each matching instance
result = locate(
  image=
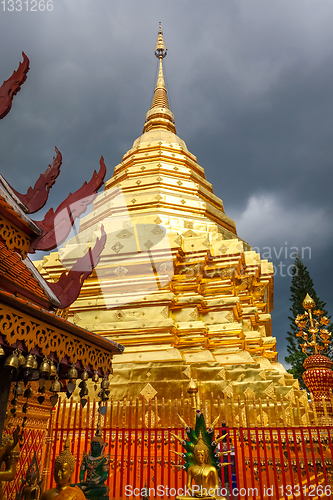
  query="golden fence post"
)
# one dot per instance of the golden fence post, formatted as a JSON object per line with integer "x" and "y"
{"x": 164, "y": 423}
{"x": 149, "y": 414}
{"x": 291, "y": 411}
{"x": 170, "y": 412}
{"x": 325, "y": 410}
{"x": 211, "y": 407}
{"x": 143, "y": 412}
{"x": 255, "y": 411}
{"x": 233, "y": 411}
{"x": 314, "y": 410}
{"x": 276, "y": 413}
{"x": 247, "y": 415}
{"x": 306, "y": 409}
{"x": 49, "y": 442}
{"x": 111, "y": 413}
{"x": 192, "y": 390}
{"x": 176, "y": 409}
{"x": 270, "y": 424}
{"x": 124, "y": 413}
{"x": 156, "y": 413}
{"x": 262, "y": 423}
{"x": 137, "y": 406}
{"x": 118, "y": 414}
{"x": 182, "y": 407}
{"x": 70, "y": 412}
{"x": 226, "y": 409}
{"x": 130, "y": 413}
{"x": 283, "y": 411}
{"x": 188, "y": 412}
{"x": 240, "y": 416}
{"x": 206, "y": 412}
{"x": 298, "y": 412}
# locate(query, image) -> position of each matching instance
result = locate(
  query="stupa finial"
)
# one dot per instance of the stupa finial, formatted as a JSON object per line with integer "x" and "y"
{"x": 160, "y": 99}
{"x": 160, "y": 49}
{"x": 159, "y": 115}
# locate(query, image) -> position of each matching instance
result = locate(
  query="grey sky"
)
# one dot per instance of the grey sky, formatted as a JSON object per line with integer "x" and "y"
{"x": 251, "y": 86}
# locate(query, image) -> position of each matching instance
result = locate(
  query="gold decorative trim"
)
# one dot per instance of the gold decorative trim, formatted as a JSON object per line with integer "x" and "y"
{"x": 17, "y": 326}
{"x": 290, "y": 395}
{"x": 249, "y": 393}
{"x": 148, "y": 392}
{"x": 270, "y": 392}
{"x": 13, "y": 237}
{"x": 229, "y": 390}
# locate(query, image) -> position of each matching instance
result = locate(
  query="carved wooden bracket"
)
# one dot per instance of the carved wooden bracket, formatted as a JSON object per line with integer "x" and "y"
{"x": 57, "y": 225}
{"x": 12, "y": 86}
{"x": 37, "y": 196}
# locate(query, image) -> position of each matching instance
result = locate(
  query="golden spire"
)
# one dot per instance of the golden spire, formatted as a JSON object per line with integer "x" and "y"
{"x": 159, "y": 115}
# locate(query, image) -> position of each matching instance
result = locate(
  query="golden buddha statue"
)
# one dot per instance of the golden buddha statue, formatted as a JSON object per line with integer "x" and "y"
{"x": 202, "y": 460}
{"x": 9, "y": 456}
{"x": 202, "y": 473}
{"x": 63, "y": 471}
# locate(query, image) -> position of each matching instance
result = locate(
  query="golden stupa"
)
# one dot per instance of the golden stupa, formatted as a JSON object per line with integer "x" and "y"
{"x": 176, "y": 285}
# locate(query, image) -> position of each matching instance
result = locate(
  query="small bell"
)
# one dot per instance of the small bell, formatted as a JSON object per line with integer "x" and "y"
{"x": 53, "y": 371}
{"x": 29, "y": 362}
{"x": 105, "y": 383}
{"x": 35, "y": 365}
{"x": 95, "y": 377}
{"x": 2, "y": 352}
{"x": 56, "y": 386}
{"x": 21, "y": 359}
{"x": 11, "y": 362}
{"x": 84, "y": 375}
{"x": 19, "y": 389}
{"x": 44, "y": 368}
{"x": 72, "y": 373}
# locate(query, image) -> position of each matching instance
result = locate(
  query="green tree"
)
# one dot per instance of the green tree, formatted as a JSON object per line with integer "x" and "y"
{"x": 301, "y": 284}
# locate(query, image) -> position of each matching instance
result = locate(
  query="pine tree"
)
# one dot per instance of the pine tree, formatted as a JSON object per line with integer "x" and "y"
{"x": 301, "y": 284}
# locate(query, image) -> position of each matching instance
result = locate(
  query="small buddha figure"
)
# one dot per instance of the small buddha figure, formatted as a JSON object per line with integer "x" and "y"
{"x": 31, "y": 483}
{"x": 9, "y": 456}
{"x": 63, "y": 470}
{"x": 94, "y": 470}
{"x": 203, "y": 473}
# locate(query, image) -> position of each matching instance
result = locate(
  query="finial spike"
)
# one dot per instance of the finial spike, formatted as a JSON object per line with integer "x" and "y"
{"x": 160, "y": 49}
{"x": 160, "y": 115}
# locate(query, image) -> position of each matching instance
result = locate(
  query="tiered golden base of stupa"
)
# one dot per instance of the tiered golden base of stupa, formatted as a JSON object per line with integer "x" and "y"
{"x": 175, "y": 284}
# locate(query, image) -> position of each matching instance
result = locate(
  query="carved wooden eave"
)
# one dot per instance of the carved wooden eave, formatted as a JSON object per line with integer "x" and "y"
{"x": 26, "y": 326}
{"x": 14, "y": 213}
{"x": 12, "y": 86}
{"x": 57, "y": 225}
{"x": 36, "y": 197}
{"x": 20, "y": 277}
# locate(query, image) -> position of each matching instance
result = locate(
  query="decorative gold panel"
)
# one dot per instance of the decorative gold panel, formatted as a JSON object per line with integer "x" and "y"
{"x": 148, "y": 392}
{"x": 13, "y": 237}
{"x": 270, "y": 392}
{"x": 17, "y": 326}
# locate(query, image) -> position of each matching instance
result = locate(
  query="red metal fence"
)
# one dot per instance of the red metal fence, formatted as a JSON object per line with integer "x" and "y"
{"x": 267, "y": 463}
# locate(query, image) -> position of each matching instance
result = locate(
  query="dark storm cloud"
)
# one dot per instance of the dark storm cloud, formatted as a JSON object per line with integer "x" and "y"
{"x": 251, "y": 86}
